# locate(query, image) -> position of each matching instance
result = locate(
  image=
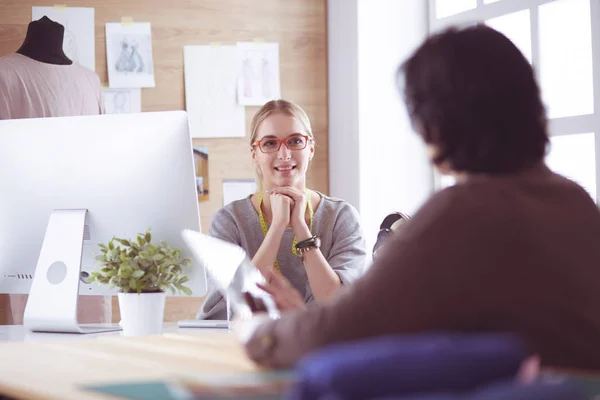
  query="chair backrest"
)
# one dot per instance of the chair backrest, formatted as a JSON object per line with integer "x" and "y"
{"x": 391, "y": 223}
{"x": 431, "y": 366}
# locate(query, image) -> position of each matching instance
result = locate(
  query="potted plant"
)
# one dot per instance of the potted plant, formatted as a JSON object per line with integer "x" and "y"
{"x": 143, "y": 272}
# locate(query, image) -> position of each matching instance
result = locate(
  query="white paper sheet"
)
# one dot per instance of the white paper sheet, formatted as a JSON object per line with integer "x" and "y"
{"x": 129, "y": 55}
{"x": 78, "y": 43}
{"x": 237, "y": 190}
{"x": 121, "y": 101}
{"x": 210, "y": 92}
{"x": 258, "y": 68}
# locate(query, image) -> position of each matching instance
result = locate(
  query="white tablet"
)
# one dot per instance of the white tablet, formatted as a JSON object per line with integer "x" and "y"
{"x": 228, "y": 267}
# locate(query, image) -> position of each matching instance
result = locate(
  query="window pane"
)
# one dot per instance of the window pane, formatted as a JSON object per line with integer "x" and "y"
{"x": 447, "y": 181}
{"x": 517, "y": 27}
{"x": 574, "y": 156}
{"x": 446, "y": 8}
{"x": 566, "y": 58}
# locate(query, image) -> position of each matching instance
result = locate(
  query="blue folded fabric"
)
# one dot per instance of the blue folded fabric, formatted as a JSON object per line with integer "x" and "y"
{"x": 403, "y": 365}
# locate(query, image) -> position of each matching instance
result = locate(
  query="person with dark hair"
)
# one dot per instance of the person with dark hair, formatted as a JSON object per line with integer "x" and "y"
{"x": 478, "y": 108}
{"x": 512, "y": 247}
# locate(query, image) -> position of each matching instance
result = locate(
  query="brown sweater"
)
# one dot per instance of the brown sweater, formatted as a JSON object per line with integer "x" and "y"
{"x": 516, "y": 253}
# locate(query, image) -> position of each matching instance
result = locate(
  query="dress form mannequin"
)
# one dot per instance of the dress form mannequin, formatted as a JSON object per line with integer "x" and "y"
{"x": 39, "y": 80}
{"x": 44, "y": 42}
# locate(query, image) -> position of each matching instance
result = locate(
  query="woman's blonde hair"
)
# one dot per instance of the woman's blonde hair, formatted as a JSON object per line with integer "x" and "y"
{"x": 277, "y": 107}
{"x": 283, "y": 107}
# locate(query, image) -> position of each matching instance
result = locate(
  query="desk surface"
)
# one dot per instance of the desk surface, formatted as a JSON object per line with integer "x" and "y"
{"x": 55, "y": 366}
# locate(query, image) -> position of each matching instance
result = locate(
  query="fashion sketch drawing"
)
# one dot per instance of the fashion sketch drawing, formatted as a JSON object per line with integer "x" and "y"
{"x": 129, "y": 55}
{"x": 70, "y": 44}
{"x": 117, "y": 102}
{"x": 258, "y": 69}
{"x": 129, "y": 59}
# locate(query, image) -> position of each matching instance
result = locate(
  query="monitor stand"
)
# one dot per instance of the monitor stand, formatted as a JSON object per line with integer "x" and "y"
{"x": 52, "y": 302}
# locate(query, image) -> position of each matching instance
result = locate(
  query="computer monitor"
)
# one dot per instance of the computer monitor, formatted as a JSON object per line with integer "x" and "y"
{"x": 70, "y": 183}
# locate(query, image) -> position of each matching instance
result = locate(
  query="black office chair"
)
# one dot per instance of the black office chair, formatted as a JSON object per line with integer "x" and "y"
{"x": 391, "y": 223}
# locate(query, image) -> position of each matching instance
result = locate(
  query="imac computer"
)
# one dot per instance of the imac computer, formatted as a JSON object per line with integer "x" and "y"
{"x": 71, "y": 183}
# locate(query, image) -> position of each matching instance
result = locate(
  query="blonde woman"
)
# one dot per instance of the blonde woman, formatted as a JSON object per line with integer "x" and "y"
{"x": 307, "y": 245}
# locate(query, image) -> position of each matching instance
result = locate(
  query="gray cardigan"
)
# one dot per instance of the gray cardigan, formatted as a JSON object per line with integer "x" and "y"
{"x": 342, "y": 245}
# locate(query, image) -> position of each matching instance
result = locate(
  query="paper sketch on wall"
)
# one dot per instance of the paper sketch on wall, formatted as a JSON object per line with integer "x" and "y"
{"x": 237, "y": 189}
{"x": 258, "y": 80}
{"x": 121, "y": 101}
{"x": 129, "y": 55}
{"x": 78, "y": 42}
{"x": 130, "y": 59}
{"x": 210, "y": 74}
{"x": 201, "y": 167}
{"x": 70, "y": 44}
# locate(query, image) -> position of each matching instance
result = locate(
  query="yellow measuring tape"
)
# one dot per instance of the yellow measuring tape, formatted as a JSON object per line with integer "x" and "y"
{"x": 265, "y": 228}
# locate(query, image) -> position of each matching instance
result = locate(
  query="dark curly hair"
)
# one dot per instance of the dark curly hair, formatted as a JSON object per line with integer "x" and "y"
{"x": 476, "y": 98}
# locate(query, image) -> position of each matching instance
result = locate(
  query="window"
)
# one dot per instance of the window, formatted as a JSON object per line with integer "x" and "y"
{"x": 566, "y": 58}
{"x": 556, "y": 36}
{"x": 446, "y": 8}
{"x": 574, "y": 156}
{"x": 446, "y": 181}
{"x": 516, "y": 27}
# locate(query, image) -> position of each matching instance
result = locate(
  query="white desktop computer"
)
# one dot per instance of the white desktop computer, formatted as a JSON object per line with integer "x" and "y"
{"x": 71, "y": 183}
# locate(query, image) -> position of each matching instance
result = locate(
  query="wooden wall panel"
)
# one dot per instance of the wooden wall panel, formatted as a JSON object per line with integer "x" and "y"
{"x": 298, "y": 25}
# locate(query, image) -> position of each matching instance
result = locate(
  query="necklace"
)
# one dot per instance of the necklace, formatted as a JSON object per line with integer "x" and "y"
{"x": 265, "y": 228}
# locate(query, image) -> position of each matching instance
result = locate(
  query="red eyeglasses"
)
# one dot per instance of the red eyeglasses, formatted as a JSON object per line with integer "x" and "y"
{"x": 272, "y": 145}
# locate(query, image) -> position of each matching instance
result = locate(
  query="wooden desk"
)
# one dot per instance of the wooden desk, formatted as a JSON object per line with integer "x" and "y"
{"x": 56, "y": 368}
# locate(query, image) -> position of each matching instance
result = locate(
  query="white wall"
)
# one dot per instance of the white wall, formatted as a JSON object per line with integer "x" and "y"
{"x": 376, "y": 155}
{"x": 343, "y": 100}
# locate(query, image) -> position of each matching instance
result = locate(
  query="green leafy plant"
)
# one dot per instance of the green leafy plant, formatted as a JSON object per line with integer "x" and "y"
{"x": 138, "y": 266}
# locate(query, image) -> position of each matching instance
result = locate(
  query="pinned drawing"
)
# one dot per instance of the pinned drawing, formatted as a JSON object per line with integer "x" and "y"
{"x": 79, "y": 44}
{"x": 258, "y": 80}
{"x": 121, "y": 101}
{"x": 70, "y": 44}
{"x": 129, "y": 55}
{"x": 237, "y": 189}
{"x": 130, "y": 59}
{"x": 210, "y": 74}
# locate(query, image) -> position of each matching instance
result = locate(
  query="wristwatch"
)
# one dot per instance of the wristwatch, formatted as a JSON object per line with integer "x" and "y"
{"x": 313, "y": 242}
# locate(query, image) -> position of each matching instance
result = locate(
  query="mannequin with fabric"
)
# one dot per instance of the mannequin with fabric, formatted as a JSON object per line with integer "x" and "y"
{"x": 39, "y": 80}
{"x": 36, "y": 81}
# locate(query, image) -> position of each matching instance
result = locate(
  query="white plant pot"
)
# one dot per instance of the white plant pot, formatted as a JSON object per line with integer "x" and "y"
{"x": 142, "y": 314}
